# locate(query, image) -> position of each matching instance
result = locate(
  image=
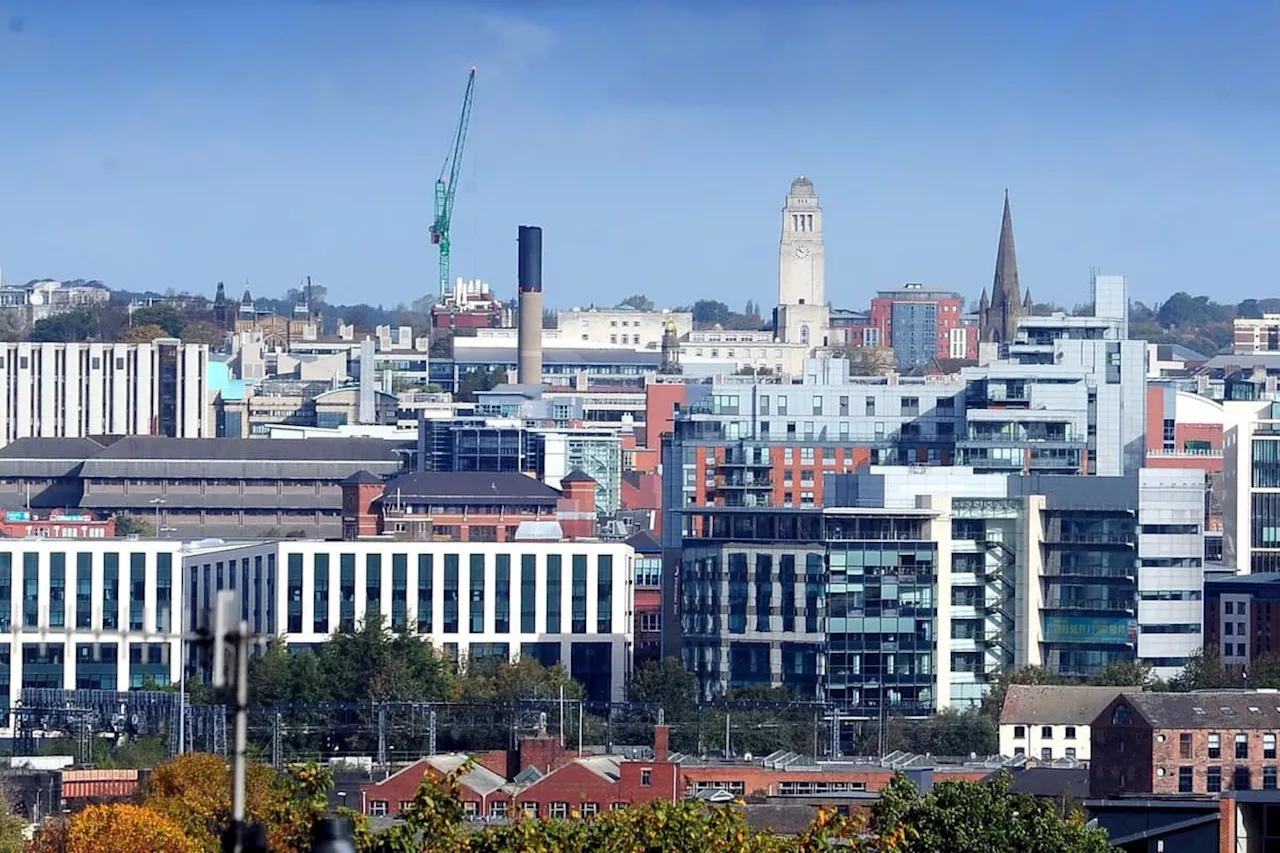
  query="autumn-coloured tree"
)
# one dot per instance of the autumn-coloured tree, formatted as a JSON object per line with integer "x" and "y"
{"x": 144, "y": 334}
{"x": 203, "y": 332}
{"x": 116, "y": 828}
{"x": 194, "y": 791}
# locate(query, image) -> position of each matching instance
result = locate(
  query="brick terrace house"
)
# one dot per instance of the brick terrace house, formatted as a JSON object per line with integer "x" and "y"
{"x": 648, "y": 601}
{"x": 540, "y": 778}
{"x": 1186, "y": 743}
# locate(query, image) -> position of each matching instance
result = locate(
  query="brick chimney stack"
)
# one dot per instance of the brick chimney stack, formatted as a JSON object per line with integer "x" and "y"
{"x": 661, "y": 742}
{"x": 576, "y": 510}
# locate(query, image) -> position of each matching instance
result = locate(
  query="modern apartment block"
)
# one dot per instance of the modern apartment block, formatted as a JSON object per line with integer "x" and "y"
{"x": 914, "y": 588}
{"x": 1251, "y": 486}
{"x": 71, "y": 390}
{"x": 921, "y": 324}
{"x": 102, "y": 614}
{"x": 566, "y": 603}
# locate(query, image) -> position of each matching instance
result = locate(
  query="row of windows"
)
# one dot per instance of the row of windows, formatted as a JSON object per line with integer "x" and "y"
{"x": 70, "y": 588}
{"x": 1068, "y": 733}
{"x": 1242, "y": 779}
{"x": 1186, "y": 745}
{"x": 510, "y": 595}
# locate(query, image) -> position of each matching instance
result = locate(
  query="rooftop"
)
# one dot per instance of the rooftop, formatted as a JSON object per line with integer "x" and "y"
{"x": 1046, "y": 704}
{"x": 469, "y": 486}
{"x": 1210, "y": 709}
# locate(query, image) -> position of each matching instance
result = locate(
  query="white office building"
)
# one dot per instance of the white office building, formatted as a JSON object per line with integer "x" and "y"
{"x": 99, "y": 614}
{"x": 567, "y": 603}
{"x": 67, "y": 390}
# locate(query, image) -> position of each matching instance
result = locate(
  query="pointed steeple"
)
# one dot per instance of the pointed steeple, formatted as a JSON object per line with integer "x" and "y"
{"x": 1006, "y": 299}
{"x": 1027, "y": 304}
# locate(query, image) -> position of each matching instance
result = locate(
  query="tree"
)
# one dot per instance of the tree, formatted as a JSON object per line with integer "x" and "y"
{"x": 144, "y": 334}
{"x": 637, "y": 301}
{"x": 194, "y": 792}
{"x": 133, "y": 525}
{"x": 1125, "y": 673}
{"x": 203, "y": 332}
{"x": 979, "y": 817}
{"x": 71, "y": 327}
{"x": 708, "y": 313}
{"x": 994, "y": 700}
{"x": 550, "y": 319}
{"x": 13, "y": 325}
{"x": 667, "y": 684}
{"x": 478, "y": 379}
{"x": 1206, "y": 671}
{"x": 870, "y": 361}
{"x": 115, "y": 828}
{"x": 13, "y": 826}
{"x": 164, "y": 315}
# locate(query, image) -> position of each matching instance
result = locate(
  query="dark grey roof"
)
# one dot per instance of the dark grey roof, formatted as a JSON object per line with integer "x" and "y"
{"x": 559, "y": 356}
{"x": 363, "y": 478}
{"x": 1210, "y": 709}
{"x": 644, "y": 542}
{"x": 1053, "y": 704}
{"x": 577, "y": 475}
{"x": 1050, "y": 781}
{"x": 156, "y": 457}
{"x": 469, "y": 486}
{"x": 74, "y": 449}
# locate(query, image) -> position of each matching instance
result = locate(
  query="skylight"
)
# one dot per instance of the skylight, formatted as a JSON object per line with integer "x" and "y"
{"x": 1228, "y": 711}
{"x": 1201, "y": 711}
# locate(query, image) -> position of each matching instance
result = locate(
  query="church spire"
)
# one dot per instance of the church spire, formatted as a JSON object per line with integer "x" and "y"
{"x": 1006, "y": 298}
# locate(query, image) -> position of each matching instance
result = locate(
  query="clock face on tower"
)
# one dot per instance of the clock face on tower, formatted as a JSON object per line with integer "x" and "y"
{"x": 802, "y": 252}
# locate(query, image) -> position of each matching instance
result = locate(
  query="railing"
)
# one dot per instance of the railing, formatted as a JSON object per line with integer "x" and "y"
{"x": 1209, "y": 453}
{"x": 1091, "y": 604}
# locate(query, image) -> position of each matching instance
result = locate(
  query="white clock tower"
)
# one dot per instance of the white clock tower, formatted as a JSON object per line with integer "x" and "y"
{"x": 802, "y": 303}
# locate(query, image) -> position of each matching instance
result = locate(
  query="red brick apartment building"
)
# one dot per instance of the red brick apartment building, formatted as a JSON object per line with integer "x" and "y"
{"x": 1186, "y": 743}
{"x": 464, "y": 506}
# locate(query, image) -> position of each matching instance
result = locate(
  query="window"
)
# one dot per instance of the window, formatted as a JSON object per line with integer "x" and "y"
{"x": 529, "y": 809}
{"x": 560, "y": 810}
{"x": 617, "y": 807}
{"x": 1268, "y": 778}
{"x": 1242, "y": 745}
{"x": 646, "y": 776}
{"x": 590, "y": 809}
{"x": 650, "y": 623}
{"x": 498, "y": 808}
{"x": 1215, "y": 745}
{"x": 470, "y": 809}
{"x": 1071, "y": 752}
{"x": 1046, "y": 731}
{"x": 1269, "y": 746}
{"x": 1046, "y": 754}
{"x": 1019, "y": 732}
{"x": 1241, "y": 780}
{"x": 1186, "y": 780}
{"x": 1069, "y": 733}
{"x": 377, "y": 808}
{"x": 1213, "y": 780}
{"x": 1019, "y": 750}
{"x": 404, "y": 805}
{"x": 1184, "y": 745}
{"x": 1121, "y": 716}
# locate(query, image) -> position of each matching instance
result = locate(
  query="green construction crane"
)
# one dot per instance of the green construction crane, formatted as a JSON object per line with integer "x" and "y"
{"x": 447, "y": 185}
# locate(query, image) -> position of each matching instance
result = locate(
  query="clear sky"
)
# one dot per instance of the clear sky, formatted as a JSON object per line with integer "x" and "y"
{"x": 175, "y": 143}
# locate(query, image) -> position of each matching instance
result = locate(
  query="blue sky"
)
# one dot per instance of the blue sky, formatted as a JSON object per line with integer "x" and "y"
{"x": 176, "y": 143}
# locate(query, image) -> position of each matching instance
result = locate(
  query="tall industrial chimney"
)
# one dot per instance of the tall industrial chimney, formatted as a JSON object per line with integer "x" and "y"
{"x": 529, "y": 271}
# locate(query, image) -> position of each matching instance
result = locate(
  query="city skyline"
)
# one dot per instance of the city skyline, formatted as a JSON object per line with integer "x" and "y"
{"x": 171, "y": 147}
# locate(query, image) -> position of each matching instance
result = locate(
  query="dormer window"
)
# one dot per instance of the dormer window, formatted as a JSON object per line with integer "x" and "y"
{"x": 1121, "y": 716}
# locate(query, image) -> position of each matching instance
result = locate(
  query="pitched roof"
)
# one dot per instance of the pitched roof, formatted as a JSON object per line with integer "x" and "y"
{"x": 464, "y": 486}
{"x": 644, "y": 542}
{"x": 1209, "y": 709}
{"x": 1054, "y": 704}
{"x": 577, "y": 475}
{"x": 363, "y": 478}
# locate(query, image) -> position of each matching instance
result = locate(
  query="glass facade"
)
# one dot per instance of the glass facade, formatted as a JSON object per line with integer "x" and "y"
{"x": 553, "y": 593}
{"x": 111, "y": 591}
{"x": 58, "y": 590}
{"x": 451, "y": 593}
{"x": 96, "y": 666}
{"x": 137, "y": 591}
{"x": 6, "y": 593}
{"x": 399, "y": 592}
{"x": 164, "y": 592}
{"x": 347, "y": 589}
{"x": 604, "y": 594}
{"x": 294, "y": 581}
{"x": 528, "y": 593}
{"x": 426, "y": 613}
{"x": 476, "y": 579}
{"x": 502, "y": 594}
{"x": 30, "y": 590}
{"x": 372, "y": 585}
{"x": 578, "y": 600}
{"x": 320, "y": 608}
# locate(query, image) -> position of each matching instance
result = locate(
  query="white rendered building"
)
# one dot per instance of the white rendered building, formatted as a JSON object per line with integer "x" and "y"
{"x": 65, "y": 390}
{"x": 559, "y": 602}
{"x": 100, "y": 614}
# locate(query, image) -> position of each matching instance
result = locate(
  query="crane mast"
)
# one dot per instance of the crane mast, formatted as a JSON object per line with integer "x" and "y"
{"x": 447, "y": 185}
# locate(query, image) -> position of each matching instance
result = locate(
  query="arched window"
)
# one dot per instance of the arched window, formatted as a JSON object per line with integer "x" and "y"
{"x": 1121, "y": 716}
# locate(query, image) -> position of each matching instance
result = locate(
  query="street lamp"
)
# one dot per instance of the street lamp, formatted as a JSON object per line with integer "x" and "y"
{"x": 157, "y": 503}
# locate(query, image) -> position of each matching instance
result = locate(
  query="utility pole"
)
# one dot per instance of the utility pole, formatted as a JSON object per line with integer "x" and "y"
{"x": 228, "y": 629}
